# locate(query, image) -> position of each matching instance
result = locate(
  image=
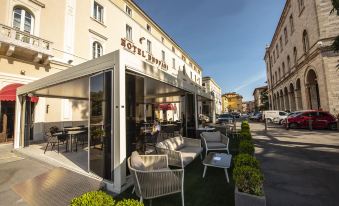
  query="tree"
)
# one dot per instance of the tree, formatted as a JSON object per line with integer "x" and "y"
{"x": 335, "y": 4}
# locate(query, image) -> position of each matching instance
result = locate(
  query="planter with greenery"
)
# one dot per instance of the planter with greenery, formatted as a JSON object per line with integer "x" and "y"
{"x": 246, "y": 147}
{"x": 100, "y": 198}
{"x": 248, "y": 186}
{"x": 246, "y": 160}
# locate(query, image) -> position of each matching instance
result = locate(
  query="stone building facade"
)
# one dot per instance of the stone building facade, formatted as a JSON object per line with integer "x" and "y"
{"x": 259, "y": 101}
{"x": 301, "y": 67}
{"x": 212, "y": 87}
{"x": 234, "y": 102}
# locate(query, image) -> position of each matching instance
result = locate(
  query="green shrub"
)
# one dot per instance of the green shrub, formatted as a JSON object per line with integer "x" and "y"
{"x": 248, "y": 180}
{"x": 129, "y": 202}
{"x": 245, "y": 135}
{"x": 246, "y": 160}
{"x": 94, "y": 198}
{"x": 246, "y": 147}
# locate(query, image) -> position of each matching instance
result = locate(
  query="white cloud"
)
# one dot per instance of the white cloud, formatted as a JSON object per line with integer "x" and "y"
{"x": 250, "y": 81}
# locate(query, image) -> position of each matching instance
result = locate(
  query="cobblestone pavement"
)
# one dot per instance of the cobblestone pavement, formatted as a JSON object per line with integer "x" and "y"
{"x": 301, "y": 167}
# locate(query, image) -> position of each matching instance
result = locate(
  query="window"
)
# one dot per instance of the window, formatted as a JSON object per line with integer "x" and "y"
{"x": 128, "y": 32}
{"x": 295, "y": 55}
{"x": 279, "y": 73}
{"x": 277, "y": 49}
{"x": 301, "y": 5}
{"x": 190, "y": 64}
{"x": 306, "y": 43}
{"x": 288, "y": 62}
{"x": 173, "y": 63}
{"x": 286, "y": 35}
{"x": 149, "y": 46}
{"x": 173, "y": 49}
{"x": 128, "y": 11}
{"x": 162, "y": 39}
{"x": 281, "y": 44}
{"x": 98, "y": 12}
{"x": 291, "y": 24}
{"x": 163, "y": 56}
{"x": 23, "y": 20}
{"x": 96, "y": 49}
{"x": 276, "y": 76}
{"x": 148, "y": 27}
{"x": 183, "y": 58}
{"x": 191, "y": 75}
{"x": 274, "y": 56}
{"x": 283, "y": 69}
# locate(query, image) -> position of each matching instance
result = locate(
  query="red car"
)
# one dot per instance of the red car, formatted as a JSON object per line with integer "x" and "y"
{"x": 320, "y": 120}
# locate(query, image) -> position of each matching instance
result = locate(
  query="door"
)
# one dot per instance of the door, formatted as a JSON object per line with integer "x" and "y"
{"x": 101, "y": 125}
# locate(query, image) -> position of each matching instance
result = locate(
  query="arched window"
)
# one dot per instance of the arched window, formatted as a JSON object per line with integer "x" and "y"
{"x": 97, "y": 50}
{"x": 279, "y": 72}
{"x": 288, "y": 62}
{"x": 295, "y": 55}
{"x": 23, "y": 20}
{"x": 306, "y": 41}
{"x": 283, "y": 69}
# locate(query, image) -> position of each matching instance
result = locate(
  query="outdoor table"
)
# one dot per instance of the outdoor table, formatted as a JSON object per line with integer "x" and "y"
{"x": 70, "y": 135}
{"x": 218, "y": 160}
{"x": 206, "y": 129}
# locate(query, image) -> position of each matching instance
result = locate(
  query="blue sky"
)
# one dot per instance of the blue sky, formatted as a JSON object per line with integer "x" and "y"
{"x": 227, "y": 38}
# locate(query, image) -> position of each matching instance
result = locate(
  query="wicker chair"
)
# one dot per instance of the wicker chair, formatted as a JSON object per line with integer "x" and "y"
{"x": 153, "y": 178}
{"x": 214, "y": 141}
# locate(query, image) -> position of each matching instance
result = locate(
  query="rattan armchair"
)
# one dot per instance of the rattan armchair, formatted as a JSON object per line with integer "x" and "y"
{"x": 156, "y": 179}
{"x": 215, "y": 141}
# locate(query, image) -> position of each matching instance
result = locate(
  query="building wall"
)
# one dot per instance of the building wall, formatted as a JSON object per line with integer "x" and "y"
{"x": 321, "y": 27}
{"x": 212, "y": 86}
{"x": 71, "y": 27}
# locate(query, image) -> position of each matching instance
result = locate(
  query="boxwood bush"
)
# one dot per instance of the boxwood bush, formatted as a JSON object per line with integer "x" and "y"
{"x": 248, "y": 180}
{"x": 94, "y": 198}
{"x": 129, "y": 202}
{"x": 245, "y": 135}
{"x": 246, "y": 160}
{"x": 246, "y": 147}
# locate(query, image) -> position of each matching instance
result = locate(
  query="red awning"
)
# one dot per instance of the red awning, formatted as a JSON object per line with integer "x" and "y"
{"x": 167, "y": 107}
{"x": 8, "y": 93}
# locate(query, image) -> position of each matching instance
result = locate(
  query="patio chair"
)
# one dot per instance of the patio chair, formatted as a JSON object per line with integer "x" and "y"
{"x": 214, "y": 141}
{"x": 55, "y": 140}
{"x": 153, "y": 178}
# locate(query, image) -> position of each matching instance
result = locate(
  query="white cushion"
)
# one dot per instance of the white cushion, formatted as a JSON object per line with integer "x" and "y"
{"x": 212, "y": 136}
{"x": 188, "y": 154}
{"x": 174, "y": 143}
{"x": 216, "y": 145}
{"x": 136, "y": 162}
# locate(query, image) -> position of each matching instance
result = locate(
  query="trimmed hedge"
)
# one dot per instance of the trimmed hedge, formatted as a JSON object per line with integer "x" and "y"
{"x": 248, "y": 180}
{"x": 246, "y": 147}
{"x": 94, "y": 198}
{"x": 245, "y": 135}
{"x": 129, "y": 202}
{"x": 100, "y": 198}
{"x": 246, "y": 160}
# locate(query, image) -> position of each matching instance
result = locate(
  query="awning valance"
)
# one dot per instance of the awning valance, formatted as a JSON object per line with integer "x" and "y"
{"x": 8, "y": 93}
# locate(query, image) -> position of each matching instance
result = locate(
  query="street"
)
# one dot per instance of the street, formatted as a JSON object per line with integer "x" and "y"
{"x": 300, "y": 167}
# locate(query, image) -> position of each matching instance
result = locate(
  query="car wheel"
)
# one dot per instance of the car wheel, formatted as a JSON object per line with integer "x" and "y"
{"x": 333, "y": 126}
{"x": 293, "y": 125}
{"x": 281, "y": 121}
{"x": 269, "y": 120}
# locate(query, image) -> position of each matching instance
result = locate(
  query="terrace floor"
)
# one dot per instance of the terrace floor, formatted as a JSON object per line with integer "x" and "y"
{"x": 209, "y": 191}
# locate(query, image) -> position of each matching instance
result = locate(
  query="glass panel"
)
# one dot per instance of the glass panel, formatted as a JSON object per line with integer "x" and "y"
{"x": 28, "y": 22}
{"x": 17, "y": 18}
{"x": 101, "y": 124}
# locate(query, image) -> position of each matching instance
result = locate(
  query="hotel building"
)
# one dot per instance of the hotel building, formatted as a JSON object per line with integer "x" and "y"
{"x": 301, "y": 66}
{"x": 138, "y": 74}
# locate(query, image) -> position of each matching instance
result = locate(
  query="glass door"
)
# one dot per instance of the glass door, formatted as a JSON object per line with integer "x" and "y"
{"x": 100, "y": 124}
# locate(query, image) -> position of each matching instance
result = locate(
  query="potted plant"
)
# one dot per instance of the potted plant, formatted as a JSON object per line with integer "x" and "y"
{"x": 248, "y": 186}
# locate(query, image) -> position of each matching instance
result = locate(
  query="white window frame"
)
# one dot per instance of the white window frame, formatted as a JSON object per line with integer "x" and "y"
{"x": 129, "y": 35}
{"x": 173, "y": 63}
{"x": 163, "y": 56}
{"x": 94, "y": 52}
{"x": 22, "y": 19}
{"x": 128, "y": 10}
{"x": 99, "y": 8}
{"x": 149, "y": 46}
{"x": 148, "y": 28}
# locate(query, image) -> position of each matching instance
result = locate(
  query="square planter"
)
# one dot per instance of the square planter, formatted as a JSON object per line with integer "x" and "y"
{"x": 245, "y": 199}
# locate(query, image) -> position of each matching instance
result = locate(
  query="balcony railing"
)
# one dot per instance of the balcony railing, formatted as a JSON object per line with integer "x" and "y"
{"x": 23, "y": 39}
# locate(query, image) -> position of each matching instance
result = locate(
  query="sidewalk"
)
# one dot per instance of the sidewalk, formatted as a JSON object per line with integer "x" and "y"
{"x": 301, "y": 167}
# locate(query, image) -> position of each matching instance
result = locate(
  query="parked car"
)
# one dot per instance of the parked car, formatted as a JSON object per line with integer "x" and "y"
{"x": 275, "y": 116}
{"x": 257, "y": 117}
{"x": 235, "y": 114}
{"x": 225, "y": 118}
{"x": 320, "y": 120}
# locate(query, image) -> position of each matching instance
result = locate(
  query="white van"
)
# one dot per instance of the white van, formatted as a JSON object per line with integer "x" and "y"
{"x": 275, "y": 116}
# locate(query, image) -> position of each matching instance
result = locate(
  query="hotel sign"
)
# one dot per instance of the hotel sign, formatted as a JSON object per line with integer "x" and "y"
{"x": 147, "y": 56}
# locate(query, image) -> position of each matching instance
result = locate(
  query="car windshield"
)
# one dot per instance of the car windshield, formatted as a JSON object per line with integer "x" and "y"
{"x": 295, "y": 114}
{"x": 225, "y": 116}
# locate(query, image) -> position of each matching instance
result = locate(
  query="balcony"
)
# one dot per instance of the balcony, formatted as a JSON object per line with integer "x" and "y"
{"x": 22, "y": 45}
